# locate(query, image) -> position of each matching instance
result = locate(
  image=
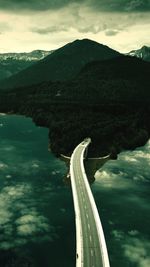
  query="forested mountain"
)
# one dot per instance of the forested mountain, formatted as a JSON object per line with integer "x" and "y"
{"x": 63, "y": 64}
{"x": 108, "y": 101}
{"x": 12, "y": 63}
{"x": 117, "y": 80}
{"x": 143, "y": 53}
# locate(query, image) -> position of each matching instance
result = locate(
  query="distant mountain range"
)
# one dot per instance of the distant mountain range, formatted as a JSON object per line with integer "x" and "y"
{"x": 63, "y": 64}
{"x": 143, "y": 53}
{"x": 35, "y": 55}
{"x": 12, "y": 63}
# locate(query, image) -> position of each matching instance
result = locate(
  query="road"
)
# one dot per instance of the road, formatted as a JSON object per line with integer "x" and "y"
{"x": 90, "y": 252}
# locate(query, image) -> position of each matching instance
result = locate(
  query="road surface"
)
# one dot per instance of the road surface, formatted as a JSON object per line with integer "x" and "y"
{"x": 91, "y": 248}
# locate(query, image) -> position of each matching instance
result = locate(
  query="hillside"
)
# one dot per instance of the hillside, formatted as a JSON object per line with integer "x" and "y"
{"x": 12, "y": 63}
{"x": 63, "y": 64}
{"x": 118, "y": 80}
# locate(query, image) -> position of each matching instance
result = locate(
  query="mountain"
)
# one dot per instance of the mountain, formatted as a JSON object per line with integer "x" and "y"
{"x": 143, "y": 53}
{"x": 63, "y": 64}
{"x": 108, "y": 100}
{"x": 119, "y": 80}
{"x": 12, "y": 63}
{"x": 31, "y": 56}
{"x": 116, "y": 81}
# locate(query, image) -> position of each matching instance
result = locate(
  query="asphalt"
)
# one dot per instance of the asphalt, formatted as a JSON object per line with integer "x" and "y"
{"x": 92, "y": 254}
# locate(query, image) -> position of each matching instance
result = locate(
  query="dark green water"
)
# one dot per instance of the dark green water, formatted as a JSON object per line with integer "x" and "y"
{"x": 36, "y": 209}
{"x": 122, "y": 191}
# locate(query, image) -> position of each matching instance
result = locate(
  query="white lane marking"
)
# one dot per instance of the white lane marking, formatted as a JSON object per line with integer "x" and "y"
{"x": 83, "y": 199}
{"x": 88, "y": 226}
{"x": 92, "y": 252}
{"x": 85, "y": 206}
{"x": 90, "y": 238}
{"x": 87, "y": 215}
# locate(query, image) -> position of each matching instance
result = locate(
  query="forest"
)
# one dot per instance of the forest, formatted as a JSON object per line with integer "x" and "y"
{"x": 108, "y": 102}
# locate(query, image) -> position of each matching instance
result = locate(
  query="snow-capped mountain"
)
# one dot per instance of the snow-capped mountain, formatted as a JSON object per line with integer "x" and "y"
{"x": 143, "y": 53}
{"x": 12, "y": 63}
{"x": 31, "y": 56}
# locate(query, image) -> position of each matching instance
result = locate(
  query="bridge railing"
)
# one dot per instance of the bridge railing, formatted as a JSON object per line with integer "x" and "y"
{"x": 99, "y": 227}
{"x": 79, "y": 239}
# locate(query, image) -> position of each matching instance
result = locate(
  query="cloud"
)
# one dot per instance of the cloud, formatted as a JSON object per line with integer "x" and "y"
{"x": 52, "y": 29}
{"x": 138, "y": 5}
{"x": 5, "y": 27}
{"x": 111, "y": 32}
{"x": 121, "y": 6}
{"x": 91, "y": 28}
{"x": 103, "y": 5}
{"x": 32, "y": 4}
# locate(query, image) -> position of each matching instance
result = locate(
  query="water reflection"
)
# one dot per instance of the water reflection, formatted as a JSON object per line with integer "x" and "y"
{"x": 122, "y": 195}
{"x": 36, "y": 209}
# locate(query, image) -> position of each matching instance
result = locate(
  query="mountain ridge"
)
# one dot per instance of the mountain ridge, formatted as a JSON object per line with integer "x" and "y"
{"x": 63, "y": 64}
{"x": 108, "y": 100}
{"x": 28, "y": 56}
{"x": 12, "y": 63}
{"x": 143, "y": 53}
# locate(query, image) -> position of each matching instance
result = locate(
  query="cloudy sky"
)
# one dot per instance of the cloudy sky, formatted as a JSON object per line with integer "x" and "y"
{"x": 48, "y": 24}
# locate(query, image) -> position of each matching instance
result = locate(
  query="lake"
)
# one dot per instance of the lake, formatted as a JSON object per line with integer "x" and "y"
{"x": 37, "y": 225}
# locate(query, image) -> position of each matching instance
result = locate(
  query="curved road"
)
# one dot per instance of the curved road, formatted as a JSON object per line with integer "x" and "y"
{"x": 91, "y": 246}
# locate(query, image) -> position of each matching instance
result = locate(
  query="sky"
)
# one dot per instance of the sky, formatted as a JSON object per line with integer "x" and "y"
{"x": 27, "y": 25}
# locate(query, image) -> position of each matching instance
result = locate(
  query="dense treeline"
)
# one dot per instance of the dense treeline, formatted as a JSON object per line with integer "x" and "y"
{"x": 108, "y": 102}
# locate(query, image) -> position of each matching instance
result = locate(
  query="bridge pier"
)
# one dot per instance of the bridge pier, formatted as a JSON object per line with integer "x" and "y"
{"x": 92, "y": 165}
{"x": 86, "y": 153}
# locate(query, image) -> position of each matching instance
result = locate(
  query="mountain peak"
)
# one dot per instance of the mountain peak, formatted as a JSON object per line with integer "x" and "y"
{"x": 145, "y": 48}
{"x": 63, "y": 64}
{"x": 86, "y": 42}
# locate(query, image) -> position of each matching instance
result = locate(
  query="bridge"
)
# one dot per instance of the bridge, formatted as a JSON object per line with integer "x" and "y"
{"x": 91, "y": 250}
